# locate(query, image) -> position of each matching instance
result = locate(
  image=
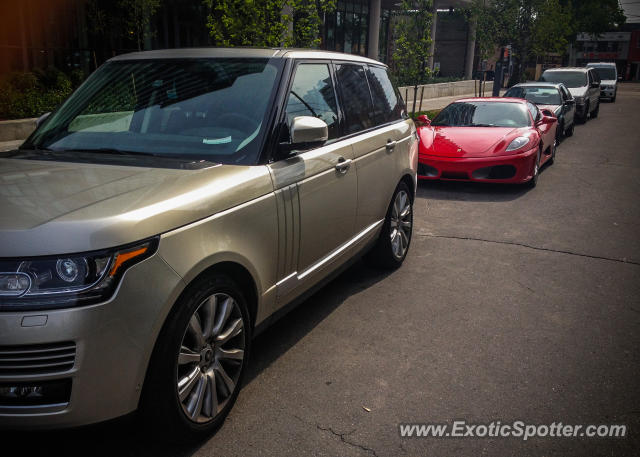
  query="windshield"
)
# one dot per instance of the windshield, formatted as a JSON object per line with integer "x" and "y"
{"x": 571, "y": 79}
{"x": 483, "y": 114}
{"x": 204, "y": 109}
{"x": 606, "y": 73}
{"x": 537, "y": 95}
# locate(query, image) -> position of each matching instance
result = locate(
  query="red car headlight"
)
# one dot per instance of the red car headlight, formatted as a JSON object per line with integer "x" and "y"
{"x": 518, "y": 143}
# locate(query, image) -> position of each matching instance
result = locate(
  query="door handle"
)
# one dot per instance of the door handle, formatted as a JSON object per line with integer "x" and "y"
{"x": 391, "y": 145}
{"x": 343, "y": 165}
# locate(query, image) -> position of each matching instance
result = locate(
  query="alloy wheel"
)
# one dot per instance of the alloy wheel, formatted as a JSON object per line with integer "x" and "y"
{"x": 210, "y": 360}
{"x": 400, "y": 224}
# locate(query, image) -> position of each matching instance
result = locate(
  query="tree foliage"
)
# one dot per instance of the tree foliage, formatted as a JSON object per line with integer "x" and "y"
{"x": 246, "y": 22}
{"x": 262, "y": 22}
{"x": 538, "y": 27}
{"x": 412, "y": 42}
{"x": 137, "y": 18}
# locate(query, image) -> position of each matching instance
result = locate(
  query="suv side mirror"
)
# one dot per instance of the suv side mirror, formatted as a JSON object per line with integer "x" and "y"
{"x": 595, "y": 84}
{"x": 424, "y": 120}
{"x": 308, "y": 129}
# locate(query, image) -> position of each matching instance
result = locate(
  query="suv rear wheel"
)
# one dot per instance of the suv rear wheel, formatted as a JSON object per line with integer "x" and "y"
{"x": 199, "y": 362}
{"x": 395, "y": 237}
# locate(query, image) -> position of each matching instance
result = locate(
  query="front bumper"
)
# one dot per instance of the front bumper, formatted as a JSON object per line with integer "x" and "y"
{"x": 607, "y": 93}
{"x": 517, "y": 168}
{"x": 113, "y": 344}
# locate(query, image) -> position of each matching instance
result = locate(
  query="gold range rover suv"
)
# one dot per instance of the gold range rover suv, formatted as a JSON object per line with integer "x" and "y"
{"x": 170, "y": 208}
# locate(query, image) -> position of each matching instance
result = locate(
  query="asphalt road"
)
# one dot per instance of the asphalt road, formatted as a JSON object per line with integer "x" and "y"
{"x": 513, "y": 304}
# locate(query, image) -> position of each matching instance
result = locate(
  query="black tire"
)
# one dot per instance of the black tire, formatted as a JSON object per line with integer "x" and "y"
{"x": 596, "y": 111}
{"x": 536, "y": 171}
{"x": 384, "y": 253}
{"x": 569, "y": 131}
{"x": 161, "y": 409}
{"x": 560, "y": 131}
{"x": 613, "y": 99}
{"x": 554, "y": 149}
{"x": 585, "y": 116}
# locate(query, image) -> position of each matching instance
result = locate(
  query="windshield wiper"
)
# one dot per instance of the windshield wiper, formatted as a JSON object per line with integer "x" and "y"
{"x": 480, "y": 125}
{"x": 108, "y": 151}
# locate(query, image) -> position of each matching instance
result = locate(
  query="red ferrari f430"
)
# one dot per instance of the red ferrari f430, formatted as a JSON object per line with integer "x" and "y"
{"x": 487, "y": 139}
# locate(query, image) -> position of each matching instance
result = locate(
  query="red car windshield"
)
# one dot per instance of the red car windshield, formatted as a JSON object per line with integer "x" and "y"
{"x": 483, "y": 114}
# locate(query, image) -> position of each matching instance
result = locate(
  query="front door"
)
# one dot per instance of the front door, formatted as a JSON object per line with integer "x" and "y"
{"x": 317, "y": 188}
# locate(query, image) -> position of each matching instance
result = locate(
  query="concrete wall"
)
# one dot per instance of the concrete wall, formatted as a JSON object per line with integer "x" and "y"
{"x": 453, "y": 89}
{"x": 18, "y": 129}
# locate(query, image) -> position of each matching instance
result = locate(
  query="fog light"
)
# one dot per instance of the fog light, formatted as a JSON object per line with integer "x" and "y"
{"x": 21, "y": 391}
{"x": 14, "y": 284}
{"x": 35, "y": 393}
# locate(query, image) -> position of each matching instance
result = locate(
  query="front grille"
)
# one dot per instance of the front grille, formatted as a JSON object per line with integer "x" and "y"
{"x": 454, "y": 175}
{"x": 37, "y": 359}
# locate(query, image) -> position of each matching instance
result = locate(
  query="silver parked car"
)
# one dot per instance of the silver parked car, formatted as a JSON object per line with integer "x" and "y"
{"x": 171, "y": 208}
{"x": 608, "y": 73}
{"x": 584, "y": 85}
{"x": 554, "y": 97}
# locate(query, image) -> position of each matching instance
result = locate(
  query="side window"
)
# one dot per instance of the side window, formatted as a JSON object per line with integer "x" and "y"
{"x": 312, "y": 94}
{"x": 386, "y": 104}
{"x": 533, "y": 109}
{"x": 356, "y": 99}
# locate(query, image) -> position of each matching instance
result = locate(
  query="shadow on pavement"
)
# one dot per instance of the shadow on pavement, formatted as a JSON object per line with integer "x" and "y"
{"x": 124, "y": 437}
{"x": 471, "y": 191}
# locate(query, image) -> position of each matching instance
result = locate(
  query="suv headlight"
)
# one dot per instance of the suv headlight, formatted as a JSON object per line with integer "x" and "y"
{"x": 67, "y": 280}
{"x": 518, "y": 143}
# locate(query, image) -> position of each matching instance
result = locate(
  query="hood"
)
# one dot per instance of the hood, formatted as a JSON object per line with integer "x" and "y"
{"x": 467, "y": 141}
{"x": 61, "y": 207}
{"x": 578, "y": 91}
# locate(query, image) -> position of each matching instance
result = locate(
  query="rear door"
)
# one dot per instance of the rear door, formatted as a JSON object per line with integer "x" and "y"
{"x": 373, "y": 114}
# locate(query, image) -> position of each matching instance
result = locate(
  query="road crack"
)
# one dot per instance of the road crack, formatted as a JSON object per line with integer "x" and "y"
{"x": 344, "y": 440}
{"x": 342, "y": 436}
{"x": 528, "y": 246}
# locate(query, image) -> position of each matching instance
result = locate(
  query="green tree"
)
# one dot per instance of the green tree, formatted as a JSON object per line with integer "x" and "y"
{"x": 412, "y": 42}
{"x": 594, "y": 16}
{"x": 246, "y": 22}
{"x": 537, "y": 27}
{"x": 307, "y": 21}
{"x": 137, "y": 18}
{"x": 230, "y": 25}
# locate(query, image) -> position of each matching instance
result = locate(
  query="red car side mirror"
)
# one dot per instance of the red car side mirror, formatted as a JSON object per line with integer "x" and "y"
{"x": 547, "y": 117}
{"x": 424, "y": 120}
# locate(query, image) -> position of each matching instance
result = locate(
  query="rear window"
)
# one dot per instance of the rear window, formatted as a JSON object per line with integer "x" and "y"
{"x": 356, "y": 99}
{"x": 606, "y": 73}
{"x": 387, "y": 105}
{"x": 571, "y": 79}
{"x": 538, "y": 95}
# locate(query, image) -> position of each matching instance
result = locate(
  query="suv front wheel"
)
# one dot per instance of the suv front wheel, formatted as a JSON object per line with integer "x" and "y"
{"x": 199, "y": 362}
